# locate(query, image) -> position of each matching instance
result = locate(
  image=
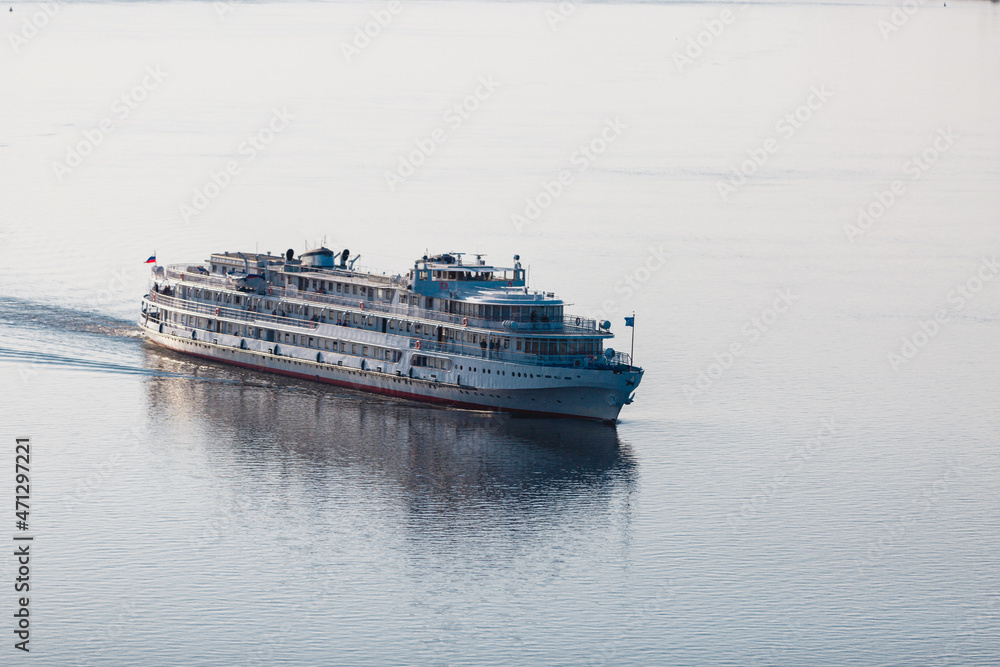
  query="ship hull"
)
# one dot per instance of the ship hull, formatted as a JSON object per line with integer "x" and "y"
{"x": 602, "y": 400}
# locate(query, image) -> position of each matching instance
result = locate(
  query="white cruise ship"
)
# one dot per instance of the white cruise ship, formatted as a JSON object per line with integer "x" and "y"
{"x": 457, "y": 333}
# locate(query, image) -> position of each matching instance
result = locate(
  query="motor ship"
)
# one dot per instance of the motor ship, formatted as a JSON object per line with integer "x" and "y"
{"x": 455, "y": 331}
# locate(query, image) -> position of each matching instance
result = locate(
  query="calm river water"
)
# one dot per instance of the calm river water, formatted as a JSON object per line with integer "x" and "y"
{"x": 798, "y": 201}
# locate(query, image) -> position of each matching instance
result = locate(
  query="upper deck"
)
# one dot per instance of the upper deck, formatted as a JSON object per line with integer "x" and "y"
{"x": 508, "y": 308}
{"x": 449, "y": 273}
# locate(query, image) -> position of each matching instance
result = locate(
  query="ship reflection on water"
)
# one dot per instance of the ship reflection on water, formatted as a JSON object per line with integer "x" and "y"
{"x": 432, "y": 461}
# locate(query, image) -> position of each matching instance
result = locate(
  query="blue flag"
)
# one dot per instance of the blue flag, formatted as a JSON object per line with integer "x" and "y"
{"x": 630, "y": 321}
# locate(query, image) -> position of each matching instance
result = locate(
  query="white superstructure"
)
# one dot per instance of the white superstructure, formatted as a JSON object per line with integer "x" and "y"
{"x": 455, "y": 332}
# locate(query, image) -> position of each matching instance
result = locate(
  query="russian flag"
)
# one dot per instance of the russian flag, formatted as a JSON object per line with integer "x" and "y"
{"x": 151, "y": 260}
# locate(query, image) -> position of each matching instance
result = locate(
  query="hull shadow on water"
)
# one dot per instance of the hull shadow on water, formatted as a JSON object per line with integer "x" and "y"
{"x": 423, "y": 456}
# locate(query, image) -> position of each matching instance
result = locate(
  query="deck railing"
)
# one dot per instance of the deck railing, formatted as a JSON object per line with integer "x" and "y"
{"x": 470, "y": 350}
{"x": 514, "y": 356}
{"x": 567, "y": 324}
{"x": 224, "y": 312}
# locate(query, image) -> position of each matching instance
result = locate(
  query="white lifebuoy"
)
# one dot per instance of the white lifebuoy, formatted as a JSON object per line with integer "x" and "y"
{"x": 444, "y": 285}
{"x": 417, "y": 345}
{"x": 465, "y": 321}
{"x": 216, "y": 311}
{"x": 361, "y": 305}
